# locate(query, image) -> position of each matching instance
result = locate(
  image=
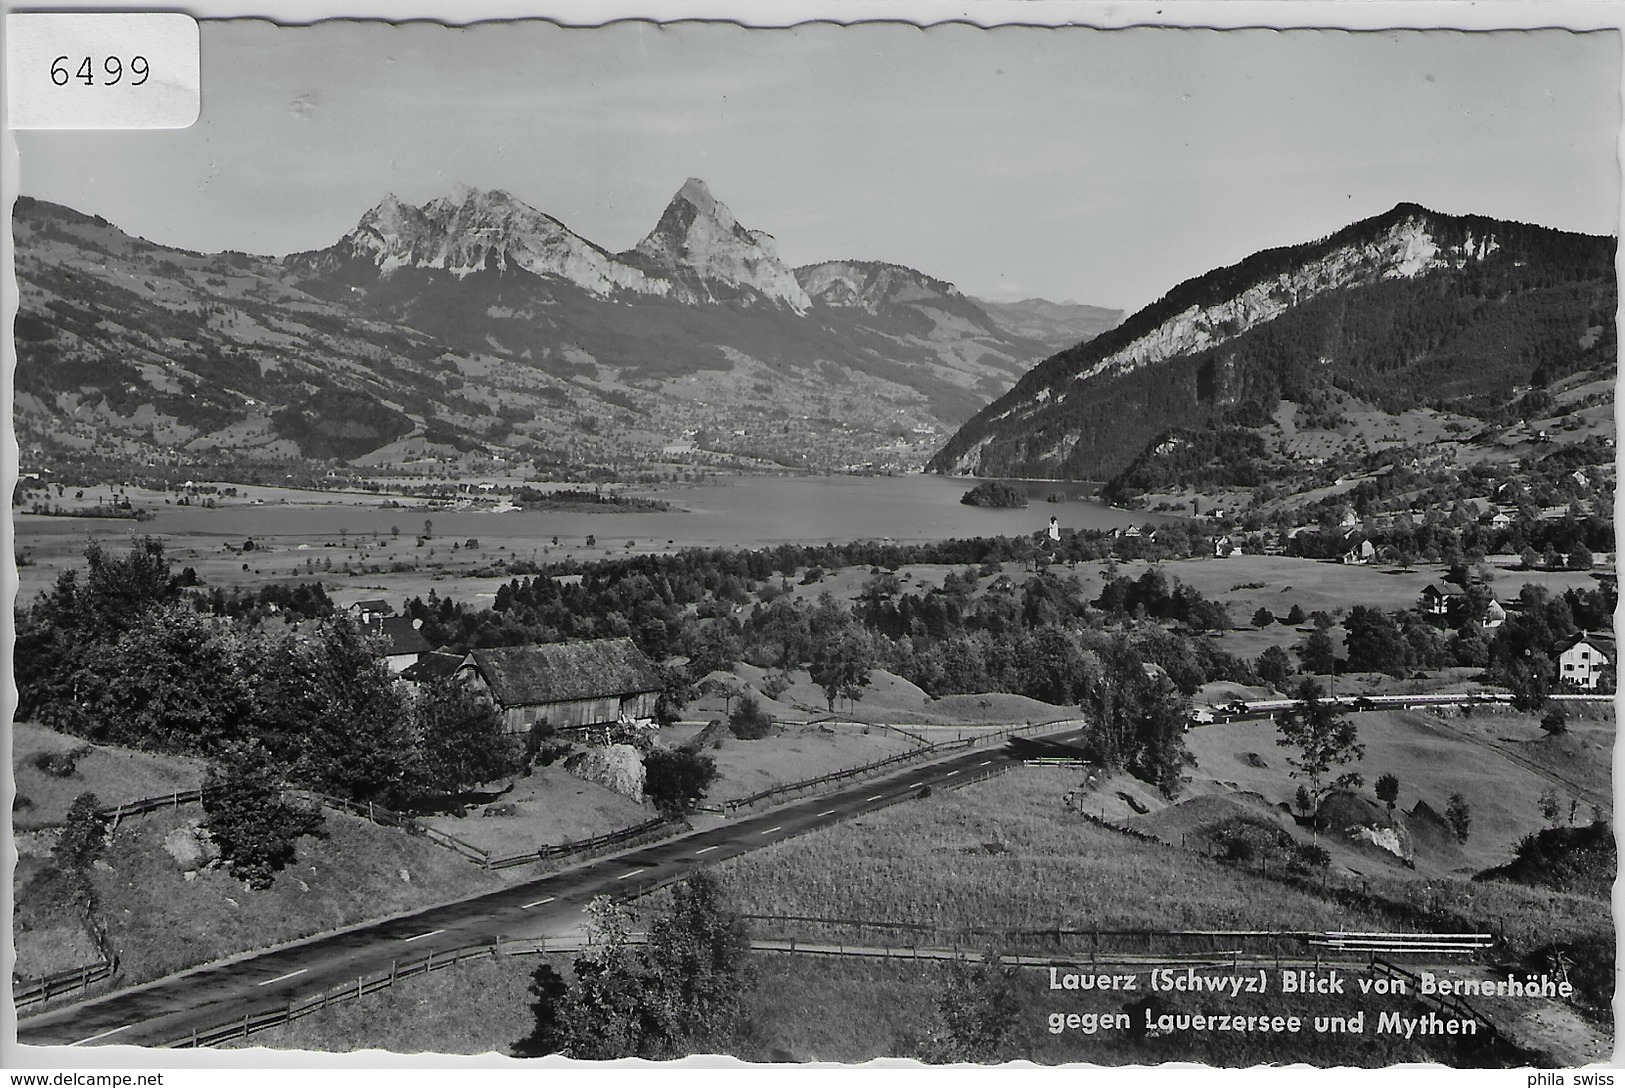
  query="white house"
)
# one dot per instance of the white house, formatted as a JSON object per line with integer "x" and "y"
{"x": 1361, "y": 553}
{"x": 1580, "y": 662}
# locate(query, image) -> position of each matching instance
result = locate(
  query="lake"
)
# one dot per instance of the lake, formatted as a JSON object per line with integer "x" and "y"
{"x": 734, "y": 511}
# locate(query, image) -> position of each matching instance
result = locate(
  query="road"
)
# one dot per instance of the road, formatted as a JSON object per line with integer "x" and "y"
{"x": 169, "y": 1010}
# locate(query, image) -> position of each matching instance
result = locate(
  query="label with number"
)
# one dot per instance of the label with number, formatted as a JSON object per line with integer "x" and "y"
{"x": 101, "y": 70}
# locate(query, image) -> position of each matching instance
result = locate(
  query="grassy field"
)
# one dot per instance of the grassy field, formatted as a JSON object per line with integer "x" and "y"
{"x": 112, "y": 774}
{"x": 554, "y": 806}
{"x": 793, "y": 753}
{"x": 160, "y": 922}
{"x": 1006, "y": 853}
{"x": 478, "y": 1007}
{"x": 1431, "y": 759}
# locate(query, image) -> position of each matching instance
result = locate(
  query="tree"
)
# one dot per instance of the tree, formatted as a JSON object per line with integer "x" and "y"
{"x": 978, "y": 1013}
{"x": 1580, "y": 558}
{"x": 748, "y": 720}
{"x": 248, "y": 819}
{"x": 1459, "y": 815}
{"x": 1263, "y": 617}
{"x": 1274, "y": 666}
{"x": 1555, "y": 721}
{"x": 675, "y": 780}
{"x": 1388, "y": 791}
{"x": 840, "y": 663}
{"x": 333, "y": 715}
{"x": 1295, "y": 616}
{"x": 84, "y": 833}
{"x": 1529, "y": 559}
{"x": 1317, "y": 653}
{"x": 460, "y": 739}
{"x": 1374, "y": 642}
{"x": 680, "y": 994}
{"x": 677, "y": 690}
{"x": 171, "y": 682}
{"x": 698, "y": 969}
{"x": 1324, "y": 740}
{"x": 1550, "y": 806}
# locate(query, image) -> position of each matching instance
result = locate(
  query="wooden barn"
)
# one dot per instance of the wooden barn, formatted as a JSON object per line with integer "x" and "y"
{"x": 568, "y": 686}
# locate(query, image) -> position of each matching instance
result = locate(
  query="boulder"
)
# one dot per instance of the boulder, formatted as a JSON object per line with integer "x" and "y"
{"x": 616, "y": 766}
{"x": 1363, "y": 820}
{"x": 191, "y": 847}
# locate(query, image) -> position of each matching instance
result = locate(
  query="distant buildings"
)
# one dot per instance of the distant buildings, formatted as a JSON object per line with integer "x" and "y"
{"x": 1361, "y": 553}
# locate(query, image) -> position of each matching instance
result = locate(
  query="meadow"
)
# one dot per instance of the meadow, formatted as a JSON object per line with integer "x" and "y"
{"x": 1007, "y": 853}
{"x": 160, "y": 922}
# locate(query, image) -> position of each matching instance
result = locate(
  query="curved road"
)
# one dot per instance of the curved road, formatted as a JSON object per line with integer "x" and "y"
{"x": 170, "y": 1009}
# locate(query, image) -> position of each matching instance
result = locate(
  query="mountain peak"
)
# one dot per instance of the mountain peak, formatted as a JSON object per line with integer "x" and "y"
{"x": 701, "y": 246}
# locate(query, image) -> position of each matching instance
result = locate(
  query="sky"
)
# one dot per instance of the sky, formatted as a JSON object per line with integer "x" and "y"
{"x": 1097, "y": 166}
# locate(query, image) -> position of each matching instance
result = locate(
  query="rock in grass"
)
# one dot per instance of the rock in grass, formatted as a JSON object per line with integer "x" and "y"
{"x": 617, "y": 766}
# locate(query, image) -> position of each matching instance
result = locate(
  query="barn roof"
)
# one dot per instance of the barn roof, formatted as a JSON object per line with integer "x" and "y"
{"x": 558, "y": 672}
{"x": 399, "y": 636}
{"x": 434, "y": 665}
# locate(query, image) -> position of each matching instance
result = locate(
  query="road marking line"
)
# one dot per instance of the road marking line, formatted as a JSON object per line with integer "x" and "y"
{"x": 950, "y": 774}
{"x": 634, "y": 872}
{"x": 913, "y": 785}
{"x": 705, "y": 850}
{"x": 420, "y": 936}
{"x": 770, "y": 830}
{"x": 826, "y": 812}
{"x": 985, "y": 763}
{"x": 282, "y": 978}
{"x": 876, "y": 797}
{"x": 103, "y": 1035}
{"x": 539, "y": 902}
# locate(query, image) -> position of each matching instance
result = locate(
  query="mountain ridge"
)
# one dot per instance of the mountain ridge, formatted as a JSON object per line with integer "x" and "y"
{"x": 1031, "y": 431}
{"x": 474, "y": 327}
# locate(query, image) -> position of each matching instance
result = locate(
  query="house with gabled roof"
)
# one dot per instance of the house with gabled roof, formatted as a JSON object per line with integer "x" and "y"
{"x": 566, "y": 686}
{"x": 1436, "y": 601}
{"x": 1581, "y": 660}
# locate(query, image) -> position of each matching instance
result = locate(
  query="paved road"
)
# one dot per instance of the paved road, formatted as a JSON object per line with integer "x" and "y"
{"x": 171, "y": 1009}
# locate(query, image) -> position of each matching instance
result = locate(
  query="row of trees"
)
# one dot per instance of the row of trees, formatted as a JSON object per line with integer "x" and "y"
{"x": 117, "y": 654}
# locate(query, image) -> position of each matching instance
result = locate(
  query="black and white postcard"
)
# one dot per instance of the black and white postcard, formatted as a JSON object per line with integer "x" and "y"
{"x": 1068, "y": 543}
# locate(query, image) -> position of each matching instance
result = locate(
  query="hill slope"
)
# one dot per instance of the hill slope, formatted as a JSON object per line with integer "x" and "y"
{"x": 1407, "y": 308}
{"x": 476, "y": 328}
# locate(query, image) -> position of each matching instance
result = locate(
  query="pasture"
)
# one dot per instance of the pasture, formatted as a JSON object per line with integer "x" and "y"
{"x": 160, "y": 922}
{"x": 113, "y": 774}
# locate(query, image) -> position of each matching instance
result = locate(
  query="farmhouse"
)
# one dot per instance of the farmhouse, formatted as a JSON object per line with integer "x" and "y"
{"x": 1436, "y": 601}
{"x": 401, "y": 640}
{"x": 1581, "y": 662}
{"x": 566, "y": 686}
{"x": 1361, "y": 553}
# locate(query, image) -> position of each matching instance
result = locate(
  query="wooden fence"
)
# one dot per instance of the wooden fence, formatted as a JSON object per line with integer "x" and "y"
{"x": 33, "y": 991}
{"x": 1157, "y": 947}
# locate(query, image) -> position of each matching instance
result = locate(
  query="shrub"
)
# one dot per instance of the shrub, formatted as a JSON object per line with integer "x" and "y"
{"x": 675, "y": 780}
{"x": 748, "y": 720}
{"x": 776, "y": 683}
{"x": 84, "y": 834}
{"x": 1555, "y": 721}
{"x": 255, "y": 829}
{"x": 1459, "y": 815}
{"x": 58, "y": 764}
